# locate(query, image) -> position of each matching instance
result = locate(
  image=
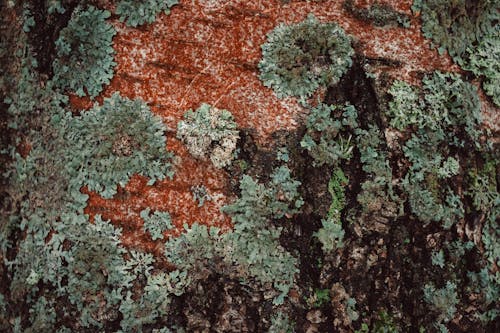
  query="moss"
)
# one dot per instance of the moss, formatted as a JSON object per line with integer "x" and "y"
{"x": 331, "y": 234}
{"x": 336, "y": 187}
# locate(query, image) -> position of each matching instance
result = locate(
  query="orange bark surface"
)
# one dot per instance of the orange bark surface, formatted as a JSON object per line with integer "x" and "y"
{"x": 207, "y": 51}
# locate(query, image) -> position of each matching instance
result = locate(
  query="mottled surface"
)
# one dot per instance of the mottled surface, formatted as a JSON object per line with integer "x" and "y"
{"x": 207, "y": 52}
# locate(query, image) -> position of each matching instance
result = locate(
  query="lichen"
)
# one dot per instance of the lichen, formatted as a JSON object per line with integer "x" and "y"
{"x": 327, "y": 138}
{"x": 469, "y": 31}
{"x": 135, "y": 13}
{"x": 209, "y": 132}
{"x": 116, "y": 140}
{"x": 299, "y": 58}
{"x": 85, "y": 53}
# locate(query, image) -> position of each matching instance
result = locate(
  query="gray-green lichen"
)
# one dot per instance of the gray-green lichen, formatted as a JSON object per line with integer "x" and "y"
{"x": 470, "y": 32}
{"x": 209, "y": 132}
{"x": 85, "y": 52}
{"x": 299, "y": 58}
{"x": 113, "y": 141}
{"x": 135, "y": 13}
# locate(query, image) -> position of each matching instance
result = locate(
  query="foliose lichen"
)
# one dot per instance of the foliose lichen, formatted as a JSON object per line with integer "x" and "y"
{"x": 113, "y": 141}
{"x": 135, "y": 13}
{"x": 299, "y": 58}
{"x": 470, "y": 32}
{"x": 85, "y": 52}
{"x": 209, "y": 132}
{"x": 327, "y": 137}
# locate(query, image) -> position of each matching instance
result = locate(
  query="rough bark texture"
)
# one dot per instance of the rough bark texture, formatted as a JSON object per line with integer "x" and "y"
{"x": 208, "y": 51}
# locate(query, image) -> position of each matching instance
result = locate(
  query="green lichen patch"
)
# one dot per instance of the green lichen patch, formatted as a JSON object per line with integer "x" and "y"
{"x": 116, "y": 140}
{"x": 299, "y": 58}
{"x": 327, "y": 137}
{"x": 251, "y": 251}
{"x": 379, "y": 15}
{"x": 135, "y": 13}
{"x": 85, "y": 52}
{"x": 469, "y": 31}
{"x": 209, "y": 132}
{"x": 279, "y": 198}
{"x": 444, "y": 105}
{"x": 157, "y": 223}
{"x": 446, "y": 114}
